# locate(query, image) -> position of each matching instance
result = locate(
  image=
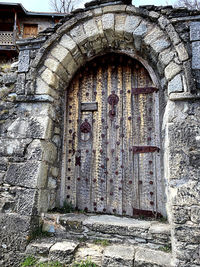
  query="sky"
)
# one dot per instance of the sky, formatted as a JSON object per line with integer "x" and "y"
{"x": 44, "y": 6}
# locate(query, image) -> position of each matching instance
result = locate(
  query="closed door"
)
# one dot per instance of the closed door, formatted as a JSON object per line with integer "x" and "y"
{"x": 112, "y": 139}
{"x": 30, "y": 30}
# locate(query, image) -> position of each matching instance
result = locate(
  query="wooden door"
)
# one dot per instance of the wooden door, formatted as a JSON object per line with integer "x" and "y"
{"x": 30, "y": 30}
{"x": 112, "y": 139}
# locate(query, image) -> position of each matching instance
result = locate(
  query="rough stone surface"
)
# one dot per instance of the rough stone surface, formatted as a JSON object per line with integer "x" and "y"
{"x": 63, "y": 251}
{"x": 130, "y": 231}
{"x": 195, "y": 31}
{"x": 171, "y": 70}
{"x": 175, "y": 85}
{"x": 24, "y": 60}
{"x": 90, "y": 251}
{"x": 196, "y": 55}
{"x": 118, "y": 255}
{"x": 150, "y": 258}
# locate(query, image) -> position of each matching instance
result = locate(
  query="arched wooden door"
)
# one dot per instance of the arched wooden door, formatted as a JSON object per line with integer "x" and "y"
{"x": 112, "y": 138}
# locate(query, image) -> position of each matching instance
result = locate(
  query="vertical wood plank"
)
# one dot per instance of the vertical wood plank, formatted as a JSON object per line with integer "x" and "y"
{"x": 129, "y": 192}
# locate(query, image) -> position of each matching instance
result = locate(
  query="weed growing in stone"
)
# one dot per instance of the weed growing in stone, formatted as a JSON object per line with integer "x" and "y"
{"x": 166, "y": 248}
{"x": 102, "y": 242}
{"x": 29, "y": 261}
{"x": 50, "y": 264}
{"x": 85, "y": 263}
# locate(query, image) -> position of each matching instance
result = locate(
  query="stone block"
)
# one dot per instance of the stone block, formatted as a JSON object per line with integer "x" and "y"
{"x": 196, "y": 55}
{"x": 138, "y": 33}
{"x": 151, "y": 258}
{"x": 154, "y": 15}
{"x": 180, "y": 214}
{"x": 114, "y": 8}
{"x": 153, "y": 35}
{"x": 31, "y": 174}
{"x": 183, "y": 233}
{"x": 14, "y": 231}
{"x": 65, "y": 57}
{"x": 63, "y": 251}
{"x": 50, "y": 78}
{"x": 160, "y": 44}
{"x": 31, "y": 127}
{"x": 29, "y": 88}
{"x": 182, "y": 52}
{"x": 195, "y": 214}
{"x": 91, "y": 30}
{"x": 90, "y": 251}
{"x": 119, "y": 25}
{"x": 108, "y": 22}
{"x": 2, "y": 174}
{"x": 57, "y": 68}
{"x": 175, "y": 85}
{"x": 118, "y": 255}
{"x": 9, "y": 78}
{"x": 131, "y": 23}
{"x": 24, "y": 59}
{"x": 173, "y": 35}
{"x": 140, "y": 30}
{"x": 42, "y": 88}
{"x": 166, "y": 56}
{"x": 27, "y": 202}
{"x": 195, "y": 31}
{"x": 171, "y": 70}
{"x": 37, "y": 110}
{"x": 188, "y": 194}
{"x": 67, "y": 42}
{"x": 78, "y": 35}
{"x": 39, "y": 249}
{"x": 163, "y": 22}
{"x": 13, "y": 147}
{"x": 115, "y": 225}
{"x": 42, "y": 150}
{"x": 43, "y": 201}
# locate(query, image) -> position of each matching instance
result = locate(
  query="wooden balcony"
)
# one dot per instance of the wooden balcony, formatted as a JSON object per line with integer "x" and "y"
{"x": 7, "y": 40}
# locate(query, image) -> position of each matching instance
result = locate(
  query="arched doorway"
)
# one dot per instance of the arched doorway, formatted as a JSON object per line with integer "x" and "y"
{"x": 113, "y": 139}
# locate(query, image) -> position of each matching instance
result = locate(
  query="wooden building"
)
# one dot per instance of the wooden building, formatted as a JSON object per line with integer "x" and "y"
{"x": 16, "y": 23}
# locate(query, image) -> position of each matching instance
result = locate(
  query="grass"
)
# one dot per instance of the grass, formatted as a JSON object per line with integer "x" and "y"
{"x": 85, "y": 263}
{"x": 31, "y": 261}
{"x": 102, "y": 242}
{"x": 166, "y": 248}
{"x": 50, "y": 264}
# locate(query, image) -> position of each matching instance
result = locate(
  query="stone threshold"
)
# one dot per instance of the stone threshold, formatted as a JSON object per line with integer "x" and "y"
{"x": 68, "y": 252}
{"x": 116, "y": 229}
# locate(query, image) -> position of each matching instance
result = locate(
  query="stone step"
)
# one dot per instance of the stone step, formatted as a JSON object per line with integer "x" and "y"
{"x": 69, "y": 252}
{"x": 152, "y": 234}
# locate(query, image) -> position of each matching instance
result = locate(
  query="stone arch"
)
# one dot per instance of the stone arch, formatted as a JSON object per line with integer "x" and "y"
{"x": 121, "y": 28}
{"x": 145, "y": 36}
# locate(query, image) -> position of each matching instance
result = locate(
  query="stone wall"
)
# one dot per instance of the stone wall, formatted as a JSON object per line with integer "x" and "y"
{"x": 33, "y": 103}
